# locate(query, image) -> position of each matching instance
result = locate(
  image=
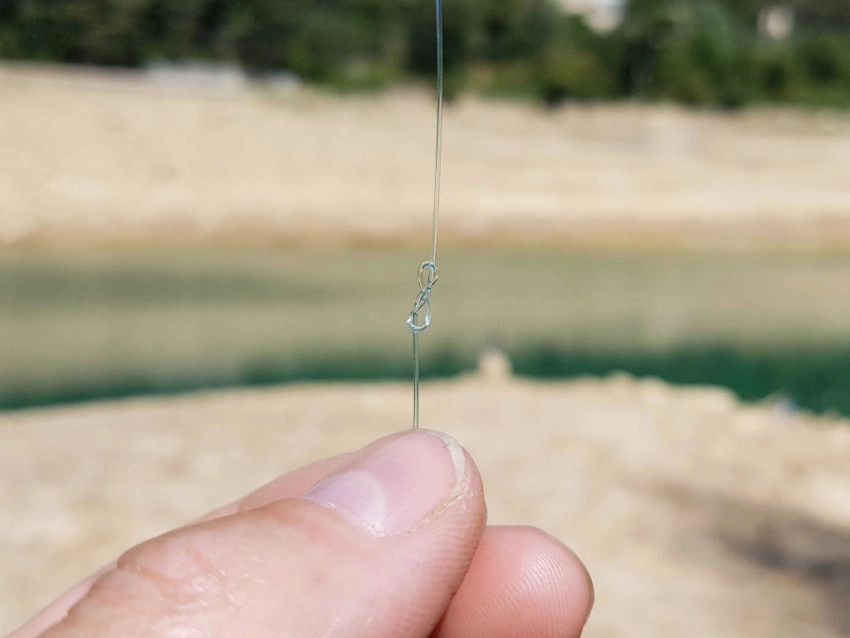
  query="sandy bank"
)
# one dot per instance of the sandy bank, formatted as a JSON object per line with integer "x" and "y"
{"x": 696, "y": 515}
{"x": 87, "y": 155}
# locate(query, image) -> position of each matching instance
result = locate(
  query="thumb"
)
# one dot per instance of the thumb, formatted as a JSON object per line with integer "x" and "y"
{"x": 377, "y": 548}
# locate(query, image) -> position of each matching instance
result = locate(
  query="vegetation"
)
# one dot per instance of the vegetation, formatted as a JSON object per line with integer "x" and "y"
{"x": 704, "y": 52}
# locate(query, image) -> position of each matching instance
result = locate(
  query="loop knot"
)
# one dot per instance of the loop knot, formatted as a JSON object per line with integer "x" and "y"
{"x": 420, "y": 317}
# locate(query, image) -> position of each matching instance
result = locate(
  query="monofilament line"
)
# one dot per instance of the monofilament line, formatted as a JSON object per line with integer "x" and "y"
{"x": 438, "y": 145}
{"x": 420, "y": 317}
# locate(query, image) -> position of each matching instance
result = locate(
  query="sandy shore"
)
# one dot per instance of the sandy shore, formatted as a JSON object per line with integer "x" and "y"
{"x": 90, "y": 155}
{"x": 697, "y": 516}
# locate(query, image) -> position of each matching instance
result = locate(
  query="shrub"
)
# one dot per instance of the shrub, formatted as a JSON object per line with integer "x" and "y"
{"x": 776, "y": 74}
{"x": 825, "y": 59}
{"x": 572, "y": 74}
{"x": 703, "y": 52}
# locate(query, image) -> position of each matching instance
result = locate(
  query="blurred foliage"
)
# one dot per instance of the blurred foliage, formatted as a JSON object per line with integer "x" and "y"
{"x": 790, "y": 377}
{"x": 704, "y": 52}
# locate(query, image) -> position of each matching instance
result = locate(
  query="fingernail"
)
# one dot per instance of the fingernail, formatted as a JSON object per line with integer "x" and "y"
{"x": 394, "y": 484}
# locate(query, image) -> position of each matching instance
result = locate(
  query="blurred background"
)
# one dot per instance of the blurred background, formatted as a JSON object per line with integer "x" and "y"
{"x": 215, "y": 194}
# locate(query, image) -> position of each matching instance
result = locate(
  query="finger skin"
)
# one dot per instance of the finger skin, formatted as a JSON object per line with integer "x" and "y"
{"x": 289, "y": 485}
{"x": 497, "y": 599}
{"x": 521, "y": 583}
{"x": 57, "y": 610}
{"x": 288, "y": 568}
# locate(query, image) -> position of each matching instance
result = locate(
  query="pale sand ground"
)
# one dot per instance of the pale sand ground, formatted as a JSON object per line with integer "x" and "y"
{"x": 115, "y": 155}
{"x": 696, "y": 516}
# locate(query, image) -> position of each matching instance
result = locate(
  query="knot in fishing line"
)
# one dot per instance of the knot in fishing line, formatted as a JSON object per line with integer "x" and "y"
{"x": 420, "y": 317}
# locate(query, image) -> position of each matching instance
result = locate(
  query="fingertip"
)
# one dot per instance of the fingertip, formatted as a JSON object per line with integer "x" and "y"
{"x": 382, "y": 536}
{"x": 550, "y": 564}
{"x": 522, "y": 582}
{"x": 378, "y": 546}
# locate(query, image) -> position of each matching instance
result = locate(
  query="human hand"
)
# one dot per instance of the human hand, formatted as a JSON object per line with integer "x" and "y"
{"x": 387, "y": 541}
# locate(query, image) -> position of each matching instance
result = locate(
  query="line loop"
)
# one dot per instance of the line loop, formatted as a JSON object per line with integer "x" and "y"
{"x": 420, "y": 317}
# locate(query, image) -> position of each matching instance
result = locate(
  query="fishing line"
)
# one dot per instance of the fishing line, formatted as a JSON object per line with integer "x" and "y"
{"x": 420, "y": 317}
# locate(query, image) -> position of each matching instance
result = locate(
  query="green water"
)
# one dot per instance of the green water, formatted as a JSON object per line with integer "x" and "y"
{"x": 84, "y": 325}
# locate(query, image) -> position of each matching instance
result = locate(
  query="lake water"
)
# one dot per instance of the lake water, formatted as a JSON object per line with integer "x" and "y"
{"x": 87, "y": 324}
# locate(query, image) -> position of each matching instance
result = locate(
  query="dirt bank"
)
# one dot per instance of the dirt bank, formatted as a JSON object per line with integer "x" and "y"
{"x": 87, "y": 156}
{"x": 696, "y": 515}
